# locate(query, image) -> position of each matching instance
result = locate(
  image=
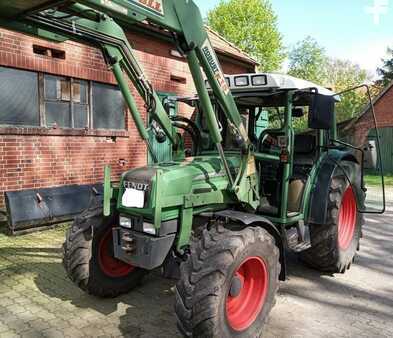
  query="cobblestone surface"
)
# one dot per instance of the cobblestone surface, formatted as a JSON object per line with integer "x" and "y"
{"x": 37, "y": 300}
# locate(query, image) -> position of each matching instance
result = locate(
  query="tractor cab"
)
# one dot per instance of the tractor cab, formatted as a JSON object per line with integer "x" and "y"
{"x": 292, "y": 125}
{"x": 288, "y": 145}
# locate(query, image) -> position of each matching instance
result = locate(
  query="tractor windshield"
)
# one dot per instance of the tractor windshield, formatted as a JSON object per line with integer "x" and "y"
{"x": 259, "y": 113}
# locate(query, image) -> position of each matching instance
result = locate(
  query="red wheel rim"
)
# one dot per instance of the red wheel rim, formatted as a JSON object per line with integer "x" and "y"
{"x": 347, "y": 219}
{"x": 111, "y": 266}
{"x": 243, "y": 309}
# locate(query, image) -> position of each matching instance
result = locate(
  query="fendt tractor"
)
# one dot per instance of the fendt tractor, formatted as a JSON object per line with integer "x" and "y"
{"x": 221, "y": 216}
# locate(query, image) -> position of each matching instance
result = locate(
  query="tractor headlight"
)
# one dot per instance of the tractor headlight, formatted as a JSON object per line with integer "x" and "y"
{"x": 241, "y": 81}
{"x": 149, "y": 228}
{"x": 125, "y": 222}
{"x": 259, "y": 80}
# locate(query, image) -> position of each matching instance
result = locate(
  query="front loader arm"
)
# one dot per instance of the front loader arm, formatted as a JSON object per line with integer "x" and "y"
{"x": 183, "y": 18}
{"x": 93, "y": 22}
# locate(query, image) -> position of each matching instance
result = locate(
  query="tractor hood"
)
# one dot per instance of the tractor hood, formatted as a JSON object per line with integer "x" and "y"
{"x": 171, "y": 182}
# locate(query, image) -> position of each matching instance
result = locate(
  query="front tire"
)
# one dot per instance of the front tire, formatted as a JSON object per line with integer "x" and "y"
{"x": 228, "y": 284}
{"x": 334, "y": 245}
{"x": 89, "y": 259}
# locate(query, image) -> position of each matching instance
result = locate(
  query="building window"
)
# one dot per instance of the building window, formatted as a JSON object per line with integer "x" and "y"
{"x": 80, "y": 107}
{"x": 66, "y": 102}
{"x": 108, "y": 107}
{"x": 43, "y": 100}
{"x": 19, "y": 97}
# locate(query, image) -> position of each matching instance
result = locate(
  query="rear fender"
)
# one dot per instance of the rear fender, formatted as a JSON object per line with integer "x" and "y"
{"x": 259, "y": 221}
{"x": 335, "y": 162}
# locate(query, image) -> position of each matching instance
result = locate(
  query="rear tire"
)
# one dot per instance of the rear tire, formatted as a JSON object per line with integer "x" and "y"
{"x": 228, "y": 284}
{"x": 89, "y": 260}
{"x": 334, "y": 245}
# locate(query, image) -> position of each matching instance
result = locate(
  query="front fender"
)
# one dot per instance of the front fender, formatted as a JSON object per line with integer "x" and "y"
{"x": 249, "y": 219}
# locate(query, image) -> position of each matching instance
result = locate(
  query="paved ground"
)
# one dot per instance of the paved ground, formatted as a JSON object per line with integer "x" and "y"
{"x": 36, "y": 299}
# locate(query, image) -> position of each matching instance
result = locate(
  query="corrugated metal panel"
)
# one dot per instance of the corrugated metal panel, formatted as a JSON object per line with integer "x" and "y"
{"x": 386, "y": 141}
{"x": 163, "y": 150}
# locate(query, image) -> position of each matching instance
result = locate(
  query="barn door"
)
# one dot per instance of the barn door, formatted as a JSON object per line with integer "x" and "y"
{"x": 386, "y": 141}
{"x": 377, "y": 158}
{"x": 163, "y": 150}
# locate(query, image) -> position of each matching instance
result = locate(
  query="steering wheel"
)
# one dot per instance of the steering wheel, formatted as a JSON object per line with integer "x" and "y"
{"x": 191, "y": 128}
{"x": 268, "y": 141}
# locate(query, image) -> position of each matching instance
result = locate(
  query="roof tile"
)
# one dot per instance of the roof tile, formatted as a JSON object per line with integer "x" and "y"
{"x": 223, "y": 46}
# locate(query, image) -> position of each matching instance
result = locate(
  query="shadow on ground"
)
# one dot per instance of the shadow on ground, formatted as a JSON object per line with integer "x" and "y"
{"x": 148, "y": 311}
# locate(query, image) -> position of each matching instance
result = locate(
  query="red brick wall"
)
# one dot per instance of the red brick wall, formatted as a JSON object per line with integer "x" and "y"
{"x": 41, "y": 157}
{"x": 384, "y": 114}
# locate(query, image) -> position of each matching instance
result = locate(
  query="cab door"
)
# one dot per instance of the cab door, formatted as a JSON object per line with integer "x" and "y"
{"x": 359, "y": 129}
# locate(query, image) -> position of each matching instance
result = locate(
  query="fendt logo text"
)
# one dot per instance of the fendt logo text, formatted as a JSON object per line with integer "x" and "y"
{"x": 136, "y": 186}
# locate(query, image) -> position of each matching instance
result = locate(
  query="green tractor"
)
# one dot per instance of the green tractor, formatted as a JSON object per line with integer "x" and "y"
{"x": 303, "y": 192}
{"x": 220, "y": 216}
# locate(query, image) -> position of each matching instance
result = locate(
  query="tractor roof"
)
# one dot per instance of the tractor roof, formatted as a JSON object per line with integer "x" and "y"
{"x": 272, "y": 82}
{"x": 262, "y": 89}
{"x": 265, "y": 90}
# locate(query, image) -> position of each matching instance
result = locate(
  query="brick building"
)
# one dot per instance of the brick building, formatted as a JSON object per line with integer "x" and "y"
{"x": 361, "y": 129}
{"x": 61, "y": 117}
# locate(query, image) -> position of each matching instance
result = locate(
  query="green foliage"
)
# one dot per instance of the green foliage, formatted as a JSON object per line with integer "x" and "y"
{"x": 343, "y": 75}
{"x": 375, "y": 180}
{"x": 252, "y": 26}
{"x": 300, "y": 124}
{"x": 276, "y": 117}
{"x": 308, "y": 60}
{"x": 387, "y": 70}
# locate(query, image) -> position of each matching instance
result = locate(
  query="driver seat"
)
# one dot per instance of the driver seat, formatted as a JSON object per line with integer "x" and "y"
{"x": 305, "y": 149}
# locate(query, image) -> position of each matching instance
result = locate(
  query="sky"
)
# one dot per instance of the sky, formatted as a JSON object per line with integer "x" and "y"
{"x": 346, "y": 29}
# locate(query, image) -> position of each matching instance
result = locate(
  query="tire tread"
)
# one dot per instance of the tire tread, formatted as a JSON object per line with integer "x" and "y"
{"x": 197, "y": 292}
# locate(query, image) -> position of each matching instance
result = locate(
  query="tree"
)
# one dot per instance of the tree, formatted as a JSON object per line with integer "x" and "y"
{"x": 343, "y": 75}
{"x": 387, "y": 70}
{"x": 252, "y": 26}
{"x": 308, "y": 61}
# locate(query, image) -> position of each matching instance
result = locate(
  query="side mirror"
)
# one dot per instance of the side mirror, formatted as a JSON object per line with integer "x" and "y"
{"x": 321, "y": 114}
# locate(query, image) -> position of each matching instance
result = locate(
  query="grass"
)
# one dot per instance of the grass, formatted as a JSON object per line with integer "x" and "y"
{"x": 372, "y": 180}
